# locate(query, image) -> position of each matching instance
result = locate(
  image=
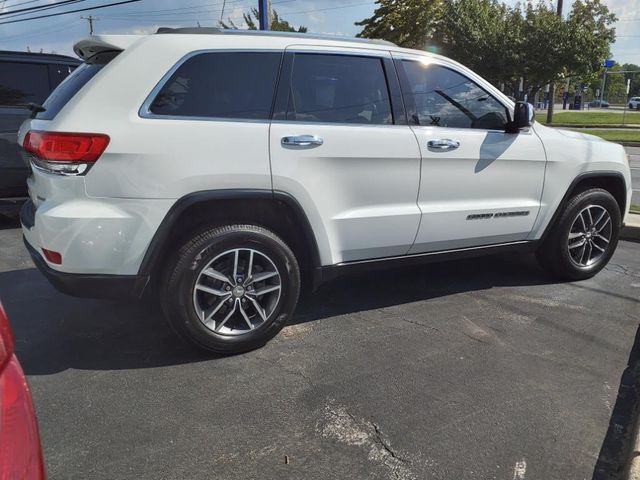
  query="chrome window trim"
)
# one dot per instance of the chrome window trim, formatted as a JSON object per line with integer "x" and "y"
{"x": 145, "y": 110}
{"x": 341, "y": 124}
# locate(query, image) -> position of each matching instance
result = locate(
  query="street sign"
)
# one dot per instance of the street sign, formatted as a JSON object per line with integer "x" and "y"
{"x": 609, "y": 63}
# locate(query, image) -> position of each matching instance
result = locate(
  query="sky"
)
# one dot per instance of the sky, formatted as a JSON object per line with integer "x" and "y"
{"x": 59, "y": 33}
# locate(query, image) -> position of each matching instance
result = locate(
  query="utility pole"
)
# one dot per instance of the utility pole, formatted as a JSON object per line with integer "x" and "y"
{"x": 552, "y": 87}
{"x": 90, "y": 19}
{"x": 264, "y": 14}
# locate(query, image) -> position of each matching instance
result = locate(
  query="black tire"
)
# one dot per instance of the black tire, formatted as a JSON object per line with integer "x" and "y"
{"x": 179, "y": 300}
{"x": 554, "y": 253}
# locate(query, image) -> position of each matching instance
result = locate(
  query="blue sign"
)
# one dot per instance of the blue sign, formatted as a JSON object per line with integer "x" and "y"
{"x": 609, "y": 63}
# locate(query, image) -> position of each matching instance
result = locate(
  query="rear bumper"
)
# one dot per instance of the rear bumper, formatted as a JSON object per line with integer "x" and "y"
{"x": 81, "y": 285}
{"x": 90, "y": 285}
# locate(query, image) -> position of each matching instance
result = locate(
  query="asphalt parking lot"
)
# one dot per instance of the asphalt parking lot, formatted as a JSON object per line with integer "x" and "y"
{"x": 476, "y": 369}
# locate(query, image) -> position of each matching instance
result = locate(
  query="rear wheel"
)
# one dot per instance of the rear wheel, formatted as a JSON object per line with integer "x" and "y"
{"x": 585, "y": 237}
{"x": 231, "y": 289}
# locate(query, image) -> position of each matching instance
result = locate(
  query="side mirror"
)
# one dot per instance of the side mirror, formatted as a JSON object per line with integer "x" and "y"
{"x": 523, "y": 117}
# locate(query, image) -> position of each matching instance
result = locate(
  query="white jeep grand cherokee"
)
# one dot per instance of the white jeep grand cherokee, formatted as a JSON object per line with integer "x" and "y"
{"x": 218, "y": 169}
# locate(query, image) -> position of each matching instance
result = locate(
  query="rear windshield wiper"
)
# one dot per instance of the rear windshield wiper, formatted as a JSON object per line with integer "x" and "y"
{"x": 35, "y": 109}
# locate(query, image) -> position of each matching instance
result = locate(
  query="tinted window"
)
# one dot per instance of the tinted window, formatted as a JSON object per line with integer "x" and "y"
{"x": 223, "y": 85}
{"x": 58, "y": 72}
{"x": 339, "y": 89}
{"x": 23, "y": 83}
{"x": 440, "y": 97}
{"x": 73, "y": 83}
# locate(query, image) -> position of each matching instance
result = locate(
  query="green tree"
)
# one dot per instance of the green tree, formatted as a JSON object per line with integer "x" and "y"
{"x": 408, "y": 23}
{"x": 252, "y": 20}
{"x": 634, "y": 89}
{"x": 502, "y": 43}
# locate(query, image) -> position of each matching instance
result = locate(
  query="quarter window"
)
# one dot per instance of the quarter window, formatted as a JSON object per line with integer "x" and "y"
{"x": 440, "y": 97}
{"x": 236, "y": 85}
{"x": 339, "y": 89}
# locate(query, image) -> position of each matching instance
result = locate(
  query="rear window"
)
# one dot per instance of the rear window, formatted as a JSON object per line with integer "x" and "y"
{"x": 23, "y": 83}
{"x": 237, "y": 85}
{"x": 73, "y": 83}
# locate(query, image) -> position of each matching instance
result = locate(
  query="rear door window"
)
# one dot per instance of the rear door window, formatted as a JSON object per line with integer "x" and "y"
{"x": 235, "y": 85}
{"x": 339, "y": 89}
{"x": 22, "y": 83}
{"x": 73, "y": 83}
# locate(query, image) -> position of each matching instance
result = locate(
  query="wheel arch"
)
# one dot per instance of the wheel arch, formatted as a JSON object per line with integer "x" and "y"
{"x": 274, "y": 210}
{"x": 611, "y": 181}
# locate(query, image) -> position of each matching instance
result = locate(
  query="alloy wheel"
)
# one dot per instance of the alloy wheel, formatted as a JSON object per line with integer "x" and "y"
{"x": 590, "y": 235}
{"x": 237, "y": 291}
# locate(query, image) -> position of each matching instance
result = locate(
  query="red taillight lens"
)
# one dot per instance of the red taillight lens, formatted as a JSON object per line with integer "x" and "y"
{"x": 65, "y": 147}
{"x": 6, "y": 338}
{"x": 53, "y": 257}
{"x": 20, "y": 451}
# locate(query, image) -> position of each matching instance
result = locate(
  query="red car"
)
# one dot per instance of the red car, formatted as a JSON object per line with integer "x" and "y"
{"x": 20, "y": 450}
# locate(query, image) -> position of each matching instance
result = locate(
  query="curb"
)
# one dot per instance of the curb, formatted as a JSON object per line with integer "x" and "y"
{"x": 631, "y": 231}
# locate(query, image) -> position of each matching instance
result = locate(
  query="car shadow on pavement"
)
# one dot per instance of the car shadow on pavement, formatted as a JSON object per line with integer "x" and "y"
{"x": 55, "y": 332}
{"x": 384, "y": 288}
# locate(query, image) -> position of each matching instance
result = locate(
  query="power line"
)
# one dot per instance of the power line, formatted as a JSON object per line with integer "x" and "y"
{"x": 42, "y": 7}
{"x": 70, "y": 11}
{"x": 13, "y": 15}
{"x": 188, "y": 10}
{"x": 21, "y": 3}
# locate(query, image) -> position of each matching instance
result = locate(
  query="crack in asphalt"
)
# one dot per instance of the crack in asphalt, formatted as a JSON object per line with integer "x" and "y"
{"x": 344, "y": 427}
{"x": 426, "y": 327}
{"x": 386, "y": 445}
{"x": 621, "y": 269}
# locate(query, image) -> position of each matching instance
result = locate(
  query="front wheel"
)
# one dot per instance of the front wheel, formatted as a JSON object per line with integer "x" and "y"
{"x": 584, "y": 238}
{"x": 231, "y": 289}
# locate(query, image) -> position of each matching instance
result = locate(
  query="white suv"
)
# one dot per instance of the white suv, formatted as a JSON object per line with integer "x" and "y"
{"x": 220, "y": 170}
{"x": 634, "y": 103}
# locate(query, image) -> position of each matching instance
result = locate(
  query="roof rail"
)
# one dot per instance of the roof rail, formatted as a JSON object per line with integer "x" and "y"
{"x": 269, "y": 33}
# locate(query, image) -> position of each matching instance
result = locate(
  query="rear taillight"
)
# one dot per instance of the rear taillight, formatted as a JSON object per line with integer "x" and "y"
{"x": 65, "y": 153}
{"x": 20, "y": 451}
{"x": 6, "y": 338}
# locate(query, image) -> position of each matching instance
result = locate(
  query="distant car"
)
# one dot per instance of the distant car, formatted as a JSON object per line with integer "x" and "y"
{"x": 20, "y": 450}
{"x": 24, "y": 78}
{"x": 634, "y": 103}
{"x": 599, "y": 104}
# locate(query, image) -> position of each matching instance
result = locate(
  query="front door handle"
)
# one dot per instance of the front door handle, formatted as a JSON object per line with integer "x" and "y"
{"x": 301, "y": 141}
{"x": 442, "y": 144}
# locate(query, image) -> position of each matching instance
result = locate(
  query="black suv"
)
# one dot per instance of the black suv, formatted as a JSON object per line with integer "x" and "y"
{"x": 25, "y": 78}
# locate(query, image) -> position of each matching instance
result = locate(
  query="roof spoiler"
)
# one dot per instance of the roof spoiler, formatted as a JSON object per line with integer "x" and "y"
{"x": 88, "y": 47}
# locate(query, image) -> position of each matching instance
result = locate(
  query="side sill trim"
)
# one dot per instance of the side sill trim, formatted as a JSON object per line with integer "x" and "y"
{"x": 330, "y": 272}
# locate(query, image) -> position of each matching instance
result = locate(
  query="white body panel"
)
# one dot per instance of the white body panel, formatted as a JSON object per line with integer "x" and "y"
{"x": 493, "y": 172}
{"x": 364, "y": 197}
{"x": 368, "y": 191}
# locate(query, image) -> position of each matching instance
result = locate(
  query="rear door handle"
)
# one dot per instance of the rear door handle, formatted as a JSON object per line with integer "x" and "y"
{"x": 442, "y": 144}
{"x": 301, "y": 141}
